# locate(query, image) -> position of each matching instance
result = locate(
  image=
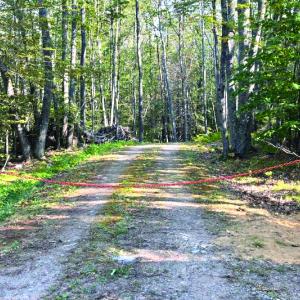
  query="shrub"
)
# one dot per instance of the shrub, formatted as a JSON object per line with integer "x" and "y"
{"x": 208, "y": 138}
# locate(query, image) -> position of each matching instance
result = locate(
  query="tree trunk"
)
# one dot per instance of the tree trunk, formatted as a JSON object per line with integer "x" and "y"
{"x": 39, "y": 150}
{"x": 184, "y": 90}
{"x": 216, "y": 63}
{"x": 244, "y": 120}
{"x": 114, "y": 74}
{"x": 133, "y": 104}
{"x": 221, "y": 92}
{"x": 101, "y": 89}
{"x": 105, "y": 120}
{"x": 72, "y": 88}
{"x": 93, "y": 102}
{"x": 166, "y": 75}
{"x": 56, "y": 106}
{"x": 140, "y": 70}
{"x": 82, "y": 76}
{"x": 65, "y": 81}
{"x": 231, "y": 98}
{"x": 24, "y": 142}
{"x": 247, "y": 50}
{"x": 216, "y": 48}
{"x": 118, "y": 71}
{"x": 204, "y": 79}
{"x": 163, "y": 98}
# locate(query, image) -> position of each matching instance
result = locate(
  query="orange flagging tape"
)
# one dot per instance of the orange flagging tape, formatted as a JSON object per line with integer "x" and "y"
{"x": 153, "y": 185}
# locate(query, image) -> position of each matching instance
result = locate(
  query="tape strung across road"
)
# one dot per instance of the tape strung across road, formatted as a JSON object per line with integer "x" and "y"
{"x": 152, "y": 185}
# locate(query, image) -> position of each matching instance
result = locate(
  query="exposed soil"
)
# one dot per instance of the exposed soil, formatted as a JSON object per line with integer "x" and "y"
{"x": 170, "y": 252}
{"x": 265, "y": 199}
{"x": 29, "y": 275}
{"x": 181, "y": 243}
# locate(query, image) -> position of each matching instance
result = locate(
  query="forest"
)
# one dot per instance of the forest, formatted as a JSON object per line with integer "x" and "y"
{"x": 168, "y": 70}
{"x": 149, "y": 149}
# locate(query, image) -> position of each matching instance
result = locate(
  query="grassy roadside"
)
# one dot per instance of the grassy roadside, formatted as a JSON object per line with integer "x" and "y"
{"x": 16, "y": 194}
{"x": 262, "y": 246}
{"x": 96, "y": 262}
{"x": 283, "y": 183}
{"x": 250, "y": 231}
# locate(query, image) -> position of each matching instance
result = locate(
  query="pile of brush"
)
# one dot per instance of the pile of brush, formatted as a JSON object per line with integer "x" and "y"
{"x": 109, "y": 134}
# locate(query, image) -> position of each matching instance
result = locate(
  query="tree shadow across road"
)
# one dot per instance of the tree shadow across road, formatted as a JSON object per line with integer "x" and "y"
{"x": 181, "y": 243}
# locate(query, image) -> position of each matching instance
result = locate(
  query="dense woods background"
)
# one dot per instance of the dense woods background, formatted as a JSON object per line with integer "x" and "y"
{"x": 167, "y": 69}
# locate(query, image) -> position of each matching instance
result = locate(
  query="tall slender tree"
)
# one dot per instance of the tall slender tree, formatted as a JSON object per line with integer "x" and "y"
{"x": 165, "y": 73}
{"x": 140, "y": 69}
{"x": 39, "y": 149}
{"x": 65, "y": 80}
{"x": 83, "y": 65}
{"x": 72, "y": 87}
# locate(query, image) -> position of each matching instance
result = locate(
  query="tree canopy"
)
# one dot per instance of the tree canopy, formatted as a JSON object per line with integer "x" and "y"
{"x": 168, "y": 69}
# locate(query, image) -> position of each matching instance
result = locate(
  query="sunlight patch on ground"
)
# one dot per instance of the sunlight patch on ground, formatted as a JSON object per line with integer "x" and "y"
{"x": 173, "y": 204}
{"x": 17, "y": 228}
{"x": 253, "y": 232}
{"x": 271, "y": 231}
{"x": 147, "y": 255}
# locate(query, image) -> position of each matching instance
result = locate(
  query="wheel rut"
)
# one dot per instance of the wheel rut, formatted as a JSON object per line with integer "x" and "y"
{"x": 166, "y": 253}
{"x": 168, "y": 248}
{"x": 39, "y": 270}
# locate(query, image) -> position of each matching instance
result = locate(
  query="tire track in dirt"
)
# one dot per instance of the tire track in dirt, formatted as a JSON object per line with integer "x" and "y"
{"x": 38, "y": 273}
{"x": 172, "y": 254}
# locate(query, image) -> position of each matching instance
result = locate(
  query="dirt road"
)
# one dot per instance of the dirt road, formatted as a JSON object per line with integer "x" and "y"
{"x": 174, "y": 257}
{"x": 39, "y": 270}
{"x": 166, "y": 253}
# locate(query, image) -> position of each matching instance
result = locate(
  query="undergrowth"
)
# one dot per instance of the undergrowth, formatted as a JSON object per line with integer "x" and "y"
{"x": 281, "y": 182}
{"x": 208, "y": 138}
{"x": 15, "y": 191}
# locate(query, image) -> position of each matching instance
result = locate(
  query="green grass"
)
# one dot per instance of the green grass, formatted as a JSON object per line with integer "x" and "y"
{"x": 64, "y": 296}
{"x": 10, "y": 247}
{"x": 14, "y": 192}
{"x": 122, "y": 271}
{"x": 208, "y": 138}
{"x": 257, "y": 242}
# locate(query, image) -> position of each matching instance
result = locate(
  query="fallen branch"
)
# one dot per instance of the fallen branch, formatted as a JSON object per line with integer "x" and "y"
{"x": 282, "y": 148}
{"x": 6, "y": 162}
